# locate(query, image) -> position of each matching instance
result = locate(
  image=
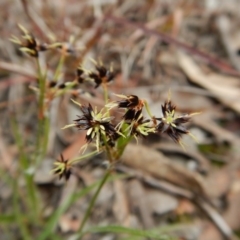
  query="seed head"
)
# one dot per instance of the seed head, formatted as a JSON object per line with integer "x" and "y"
{"x": 171, "y": 124}
{"x": 133, "y": 105}
{"x": 141, "y": 127}
{"x": 97, "y": 124}
{"x": 29, "y": 44}
{"x": 101, "y": 75}
{"x": 63, "y": 168}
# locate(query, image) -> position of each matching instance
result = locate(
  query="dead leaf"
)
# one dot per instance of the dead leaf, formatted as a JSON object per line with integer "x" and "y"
{"x": 225, "y": 88}
{"x": 159, "y": 166}
{"x": 138, "y": 201}
{"x": 121, "y": 205}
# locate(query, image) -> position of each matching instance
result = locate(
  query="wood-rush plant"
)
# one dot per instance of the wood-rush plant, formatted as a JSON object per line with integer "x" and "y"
{"x": 108, "y": 133}
{"x": 111, "y": 137}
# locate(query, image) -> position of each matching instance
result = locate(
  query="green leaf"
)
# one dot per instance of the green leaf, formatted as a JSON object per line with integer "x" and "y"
{"x": 130, "y": 231}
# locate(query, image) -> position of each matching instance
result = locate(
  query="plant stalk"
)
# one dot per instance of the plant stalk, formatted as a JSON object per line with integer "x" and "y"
{"x": 93, "y": 200}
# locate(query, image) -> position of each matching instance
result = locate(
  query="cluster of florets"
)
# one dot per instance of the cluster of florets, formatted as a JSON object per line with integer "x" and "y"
{"x": 100, "y": 76}
{"x": 100, "y": 128}
{"x": 29, "y": 43}
{"x": 32, "y": 46}
{"x": 63, "y": 168}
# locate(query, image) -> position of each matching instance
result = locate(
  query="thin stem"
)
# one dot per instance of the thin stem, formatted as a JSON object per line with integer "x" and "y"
{"x": 42, "y": 85}
{"x": 41, "y": 115}
{"x": 148, "y": 109}
{"x": 105, "y": 92}
{"x": 59, "y": 67}
{"x": 78, "y": 159}
{"x": 93, "y": 200}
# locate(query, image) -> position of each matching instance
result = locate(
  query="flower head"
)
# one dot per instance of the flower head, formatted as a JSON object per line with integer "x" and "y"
{"x": 141, "y": 127}
{"x": 97, "y": 124}
{"x": 132, "y": 104}
{"x": 29, "y": 44}
{"x": 171, "y": 124}
{"x": 101, "y": 75}
{"x": 63, "y": 168}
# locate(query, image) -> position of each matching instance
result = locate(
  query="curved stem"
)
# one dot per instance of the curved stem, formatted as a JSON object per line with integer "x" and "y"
{"x": 93, "y": 200}
{"x": 148, "y": 109}
{"x": 78, "y": 159}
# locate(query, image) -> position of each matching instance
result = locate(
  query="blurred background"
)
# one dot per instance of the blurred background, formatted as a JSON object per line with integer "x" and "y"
{"x": 188, "y": 48}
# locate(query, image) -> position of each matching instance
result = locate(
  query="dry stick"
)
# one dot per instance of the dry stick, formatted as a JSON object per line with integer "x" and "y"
{"x": 168, "y": 39}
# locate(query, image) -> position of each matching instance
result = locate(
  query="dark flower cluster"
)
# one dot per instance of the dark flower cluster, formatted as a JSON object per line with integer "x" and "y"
{"x": 97, "y": 124}
{"x": 63, "y": 168}
{"x": 168, "y": 123}
{"x": 133, "y": 106}
{"x": 137, "y": 125}
{"x": 29, "y": 43}
{"x": 171, "y": 124}
{"x": 141, "y": 127}
{"x": 101, "y": 75}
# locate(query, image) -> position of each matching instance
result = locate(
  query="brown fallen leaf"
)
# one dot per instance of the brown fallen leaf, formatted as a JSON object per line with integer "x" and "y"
{"x": 232, "y": 215}
{"x": 191, "y": 153}
{"x": 121, "y": 204}
{"x": 159, "y": 166}
{"x": 225, "y": 88}
{"x": 218, "y": 182}
{"x": 206, "y": 122}
{"x": 159, "y": 202}
{"x": 138, "y": 201}
{"x": 229, "y": 37}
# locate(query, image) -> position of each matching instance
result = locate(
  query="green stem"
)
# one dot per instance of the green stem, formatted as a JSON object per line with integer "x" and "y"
{"x": 105, "y": 92}
{"x": 59, "y": 67}
{"x": 122, "y": 147}
{"x": 42, "y": 121}
{"x": 78, "y": 159}
{"x": 148, "y": 109}
{"x": 93, "y": 200}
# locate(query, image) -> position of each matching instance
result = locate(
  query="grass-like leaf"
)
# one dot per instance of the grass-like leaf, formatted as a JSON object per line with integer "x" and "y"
{"x": 129, "y": 231}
